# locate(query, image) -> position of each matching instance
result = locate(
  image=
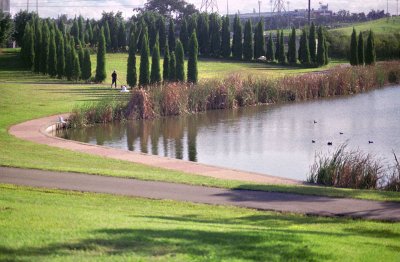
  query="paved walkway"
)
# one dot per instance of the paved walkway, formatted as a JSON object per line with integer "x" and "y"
{"x": 39, "y": 131}
{"x": 284, "y": 202}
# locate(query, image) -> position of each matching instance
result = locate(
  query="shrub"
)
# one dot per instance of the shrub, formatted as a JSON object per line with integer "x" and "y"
{"x": 101, "y": 58}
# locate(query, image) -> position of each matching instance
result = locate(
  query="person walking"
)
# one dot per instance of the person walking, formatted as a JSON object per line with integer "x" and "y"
{"x": 114, "y": 79}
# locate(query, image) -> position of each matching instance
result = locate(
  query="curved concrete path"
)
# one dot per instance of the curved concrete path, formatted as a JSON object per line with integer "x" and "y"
{"x": 39, "y": 131}
{"x": 283, "y": 202}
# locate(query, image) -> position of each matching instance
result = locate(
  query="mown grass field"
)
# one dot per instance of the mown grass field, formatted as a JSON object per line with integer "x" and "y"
{"x": 380, "y": 26}
{"x": 41, "y": 225}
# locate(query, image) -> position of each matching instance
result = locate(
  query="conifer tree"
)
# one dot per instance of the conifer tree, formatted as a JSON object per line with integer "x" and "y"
{"x": 44, "y": 55}
{"x": 215, "y": 34}
{"x": 107, "y": 35}
{"x": 76, "y": 68}
{"x": 248, "y": 42}
{"x": 321, "y": 56}
{"x": 282, "y": 56}
{"x": 326, "y": 51}
{"x": 370, "y": 54}
{"x": 259, "y": 40}
{"x": 192, "y": 24}
{"x": 192, "y": 61}
{"x": 38, "y": 44}
{"x": 180, "y": 62}
{"x": 52, "y": 60}
{"x": 162, "y": 35}
{"x": 87, "y": 65}
{"x": 166, "y": 64}
{"x": 312, "y": 43}
{"x": 183, "y": 36}
{"x": 277, "y": 47}
{"x": 203, "y": 33}
{"x": 68, "y": 61}
{"x": 96, "y": 35}
{"x": 172, "y": 67}
{"x": 225, "y": 38}
{"x": 101, "y": 58}
{"x": 60, "y": 55}
{"x": 237, "y": 46}
{"x": 292, "y": 50}
{"x": 89, "y": 31}
{"x": 131, "y": 75}
{"x": 75, "y": 30}
{"x": 144, "y": 74}
{"x": 81, "y": 55}
{"x": 171, "y": 35}
{"x": 270, "y": 54}
{"x": 304, "y": 52}
{"x": 155, "y": 76}
{"x": 28, "y": 48}
{"x": 354, "y": 49}
{"x": 81, "y": 32}
{"x": 122, "y": 37}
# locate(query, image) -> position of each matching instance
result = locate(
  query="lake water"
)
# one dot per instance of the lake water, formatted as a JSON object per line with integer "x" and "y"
{"x": 273, "y": 139}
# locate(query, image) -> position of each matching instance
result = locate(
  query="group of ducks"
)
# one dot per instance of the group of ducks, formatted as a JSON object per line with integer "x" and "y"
{"x": 341, "y": 133}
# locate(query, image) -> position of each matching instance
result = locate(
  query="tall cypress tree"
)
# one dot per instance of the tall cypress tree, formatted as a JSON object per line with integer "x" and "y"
{"x": 304, "y": 52}
{"x": 354, "y": 48}
{"x": 75, "y": 31}
{"x": 180, "y": 62}
{"x": 277, "y": 47}
{"x": 192, "y": 24}
{"x": 361, "y": 51}
{"x": 326, "y": 51}
{"x": 44, "y": 56}
{"x": 259, "y": 40}
{"x": 131, "y": 75}
{"x": 203, "y": 33}
{"x": 321, "y": 56}
{"x": 68, "y": 61}
{"x": 292, "y": 52}
{"x": 81, "y": 31}
{"x": 89, "y": 30}
{"x": 101, "y": 58}
{"x": 52, "y": 60}
{"x": 87, "y": 65}
{"x": 81, "y": 56}
{"x": 122, "y": 36}
{"x": 166, "y": 64}
{"x": 192, "y": 62}
{"x": 28, "y": 47}
{"x": 248, "y": 42}
{"x": 107, "y": 36}
{"x": 155, "y": 76}
{"x": 237, "y": 46}
{"x": 225, "y": 38}
{"x": 312, "y": 43}
{"x": 270, "y": 53}
{"x": 38, "y": 44}
{"x": 171, "y": 35}
{"x": 144, "y": 75}
{"x": 60, "y": 55}
{"x": 172, "y": 67}
{"x": 76, "y": 68}
{"x": 215, "y": 33}
{"x": 370, "y": 54}
{"x": 183, "y": 36}
{"x": 282, "y": 56}
{"x": 162, "y": 35}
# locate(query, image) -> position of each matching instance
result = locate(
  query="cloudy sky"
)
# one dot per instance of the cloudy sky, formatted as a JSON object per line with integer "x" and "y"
{"x": 94, "y": 8}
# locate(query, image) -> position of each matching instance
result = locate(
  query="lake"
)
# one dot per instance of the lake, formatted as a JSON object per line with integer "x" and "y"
{"x": 267, "y": 139}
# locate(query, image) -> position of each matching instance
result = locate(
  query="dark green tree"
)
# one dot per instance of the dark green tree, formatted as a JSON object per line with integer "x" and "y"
{"x": 259, "y": 40}
{"x": 171, "y": 36}
{"x": 304, "y": 51}
{"x": 361, "y": 51}
{"x": 75, "y": 31}
{"x": 89, "y": 31}
{"x": 192, "y": 24}
{"x": 162, "y": 34}
{"x": 321, "y": 56}
{"x": 370, "y": 54}
{"x": 101, "y": 58}
{"x": 248, "y": 42}
{"x": 166, "y": 64}
{"x": 192, "y": 61}
{"x": 144, "y": 74}
{"x": 68, "y": 61}
{"x": 52, "y": 60}
{"x": 312, "y": 43}
{"x": 270, "y": 55}
{"x": 44, "y": 55}
{"x": 183, "y": 36}
{"x": 131, "y": 75}
{"x": 354, "y": 49}
{"x": 81, "y": 31}
{"x": 122, "y": 37}
{"x": 180, "y": 62}
{"x": 155, "y": 76}
{"x": 277, "y": 46}
{"x": 282, "y": 56}
{"x": 225, "y": 38}
{"x": 87, "y": 65}
{"x": 60, "y": 55}
{"x": 107, "y": 35}
{"x": 38, "y": 44}
{"x": 237, "y": 46}
{"x": 28, "y": 47}
{"x": 76, "y": 68}
{"x": 81, "y": 55}
{"x": 292, "y": 50}
{"x": 203, "y": 33}
{"x": 215, "y": 34}
{"x": 172, "y": 67}
{"x": 326, "y": 51}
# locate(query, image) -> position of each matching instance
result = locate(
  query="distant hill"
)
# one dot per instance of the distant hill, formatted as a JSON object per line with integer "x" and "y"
{"x": 380, "y": 26}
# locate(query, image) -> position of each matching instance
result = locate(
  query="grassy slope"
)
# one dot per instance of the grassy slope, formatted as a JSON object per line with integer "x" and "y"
{"x": 380, "y": 26}
{"x": 25, "y": 96}
{"x": 39, "y": 225}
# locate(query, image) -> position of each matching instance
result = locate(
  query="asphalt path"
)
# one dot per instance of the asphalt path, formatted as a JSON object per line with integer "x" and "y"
{"x": 261, "y": 200}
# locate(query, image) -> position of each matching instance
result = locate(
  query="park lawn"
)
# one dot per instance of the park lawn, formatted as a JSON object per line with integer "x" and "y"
{"x": 41, "y": 224}
{"x": 380, "y": 26}
{"x": 26, "y": 96}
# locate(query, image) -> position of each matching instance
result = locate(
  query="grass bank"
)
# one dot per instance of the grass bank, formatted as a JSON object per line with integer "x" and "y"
{"x": 26, "y": 96}
{"x": 39, "y": 225}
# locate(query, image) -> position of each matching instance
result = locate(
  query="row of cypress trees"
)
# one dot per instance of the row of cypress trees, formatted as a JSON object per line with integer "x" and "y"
{"x": 173, "y": 66}
{"x": 359, "y": 54}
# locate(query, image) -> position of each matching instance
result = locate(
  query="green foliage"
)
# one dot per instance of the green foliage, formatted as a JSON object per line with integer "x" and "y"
{"x": 44, "y": 54}
{"x": 203, "y": 33}
{"x": 360, "y": 49}
{"x": 81, "y": 31}
{"x": 321, "y": 56}
{"x": 75, "y": 31}
{"x": 248, "y": 42}
{"x": 122, "y": 37}
{"x": 21, "y": 19}
{"x": 277, "y": 47}
{"x": 76, "y": 68}
{"x": 354, "y": 48}
{"x": 38, "y": 44}
{"x": 270, "y": 54}
{"x": 237, "y": 46}
{"x": 81, "y": 55}
{"x": 87, "y": 65}
{"x": 106, "y": 29}
{"x": 89, "y": 32}
{"x": 282, "y": 56}
{"x": 304, "y": 51}
{"x": 28, "y": 47}
{"x": 215, "y": 33}
{"x": 131, "y": 76}
{"x": 68, "y": 61}
{"x": 172, "y": 67}
{"x": 192, "y": 24}
{"x": 144, "y": 74}
{"x": 183, "y": 36}
{"x": 192, "y": 61}
{"x": 155, "y": 76}
{"x": 166, "y": 64}
{"x": 370, "y": 56}
{"x": 312, "y": 43}
{"x": 259, "y": 40}
{"x": 60, "y": 54}
{"x": 225, "y": 38}
{"x": 292, "y": 50}
{"x": 326, "y": 51}
{"x": 52, "y": 60}
{"x": 101, "y": 58}
{"x": 180, "y": 62}
{"x": 162, "y": 35}
{"x": 171, "y": 35}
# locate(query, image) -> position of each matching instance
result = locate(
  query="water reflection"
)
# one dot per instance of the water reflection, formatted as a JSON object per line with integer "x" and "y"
{"x": 265, "y": 139}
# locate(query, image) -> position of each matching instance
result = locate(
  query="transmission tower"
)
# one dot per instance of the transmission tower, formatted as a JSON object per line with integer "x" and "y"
{"x": 209, "y": 5}
{"x": 279, "y": 6}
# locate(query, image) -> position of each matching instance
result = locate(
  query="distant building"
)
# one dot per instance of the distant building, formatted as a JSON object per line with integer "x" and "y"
{"x": 5, "y": 6}
{"x": 323, "y": 10}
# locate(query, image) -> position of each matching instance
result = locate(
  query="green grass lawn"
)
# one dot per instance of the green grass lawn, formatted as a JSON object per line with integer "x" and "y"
{"x": 41, "y": 225}
{"x": 380, "y": 26}
{"x": 26, "y": 96}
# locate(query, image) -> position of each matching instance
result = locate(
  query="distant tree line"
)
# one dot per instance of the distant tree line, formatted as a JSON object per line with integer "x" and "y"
{"x": 359, "y": 53}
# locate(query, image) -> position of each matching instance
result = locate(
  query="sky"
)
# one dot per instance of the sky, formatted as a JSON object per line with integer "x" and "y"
{"x": 94, "y": 8}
